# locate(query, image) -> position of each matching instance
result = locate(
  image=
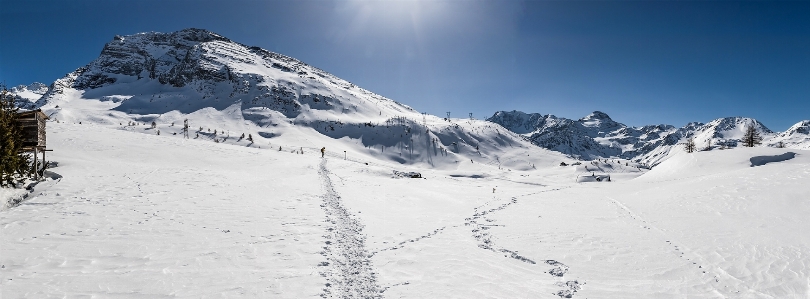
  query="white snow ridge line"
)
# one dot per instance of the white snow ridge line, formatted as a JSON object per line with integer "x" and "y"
{"x": 348, "y": 270}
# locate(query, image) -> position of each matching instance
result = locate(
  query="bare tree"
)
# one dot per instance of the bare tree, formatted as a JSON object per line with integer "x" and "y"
{"x": 751, "y": 137}
{"x": 708, "y": 146}
{"x": 689, "y": 146}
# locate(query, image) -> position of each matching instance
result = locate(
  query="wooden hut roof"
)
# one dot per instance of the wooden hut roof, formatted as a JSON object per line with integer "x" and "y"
{"x": 30, "y": 114}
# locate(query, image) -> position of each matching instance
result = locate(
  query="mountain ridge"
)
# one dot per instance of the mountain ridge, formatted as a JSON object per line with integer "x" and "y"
{"x": 198, "y": 74}
{"x": 222, "y": 86}
{"x": 597, "y": 136}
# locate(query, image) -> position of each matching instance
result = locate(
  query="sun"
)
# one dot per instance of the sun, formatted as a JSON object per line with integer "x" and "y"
{"x": 393, "y": 16}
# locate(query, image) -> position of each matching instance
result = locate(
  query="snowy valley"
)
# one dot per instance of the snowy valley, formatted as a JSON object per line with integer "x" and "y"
{"x": 516, "y": 206}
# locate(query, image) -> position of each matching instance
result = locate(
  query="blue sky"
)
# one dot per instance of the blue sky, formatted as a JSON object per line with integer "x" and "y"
{"x": 642, "y": 62}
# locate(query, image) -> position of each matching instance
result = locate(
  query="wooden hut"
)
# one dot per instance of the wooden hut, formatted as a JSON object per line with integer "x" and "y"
{"x": 33, "y": 134}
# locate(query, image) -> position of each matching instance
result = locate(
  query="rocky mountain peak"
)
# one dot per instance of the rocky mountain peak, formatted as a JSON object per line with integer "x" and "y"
{"x": 35, "y": 87}
{"x": 802, "y": 127}
{"x": 596, "y": 115}
{"x": 736, "y": 123}
{"x": 191, "y": 69}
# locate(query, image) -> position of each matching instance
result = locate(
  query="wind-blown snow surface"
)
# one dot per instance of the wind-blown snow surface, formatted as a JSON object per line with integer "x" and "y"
{"x": 141, "y": 215}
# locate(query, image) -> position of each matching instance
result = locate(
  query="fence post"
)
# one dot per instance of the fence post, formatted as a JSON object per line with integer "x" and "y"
{"x": 36, "y": 155}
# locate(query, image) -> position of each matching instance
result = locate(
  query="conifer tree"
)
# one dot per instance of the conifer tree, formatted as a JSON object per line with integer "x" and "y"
{"x": 751, "y": 137}
{"x": 11, "y": 159}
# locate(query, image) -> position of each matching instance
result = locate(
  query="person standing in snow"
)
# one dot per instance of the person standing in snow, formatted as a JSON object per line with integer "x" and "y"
{"x": 323, "y": 150}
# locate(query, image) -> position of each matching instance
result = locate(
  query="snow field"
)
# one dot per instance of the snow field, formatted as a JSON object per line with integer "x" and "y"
{"x": 138, "y": 215}
{"x": 144, "y": 216}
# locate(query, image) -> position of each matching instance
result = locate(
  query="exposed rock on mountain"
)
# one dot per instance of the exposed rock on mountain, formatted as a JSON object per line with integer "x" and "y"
{"x": 168, "y": 77}
{"x": 598, "y": 136}
{"x": 226, "y": 86}
{"x": 25, "y": 96}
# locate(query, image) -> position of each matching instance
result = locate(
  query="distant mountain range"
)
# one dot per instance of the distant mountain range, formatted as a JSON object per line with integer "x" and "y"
{"x": 598, "y": 136}
{"x": 201, "y": 75}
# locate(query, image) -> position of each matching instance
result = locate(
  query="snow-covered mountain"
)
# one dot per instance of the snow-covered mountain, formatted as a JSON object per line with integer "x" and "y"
{"x": 152, "y": 214}
{"x": 25, "y": 96}
{"x": 222, "y": 86}
{"x": 154, "y": 73}
{"x": 598, "y": 136}
{"x": 797, "y": 136}
{"x": 226, "y": 89}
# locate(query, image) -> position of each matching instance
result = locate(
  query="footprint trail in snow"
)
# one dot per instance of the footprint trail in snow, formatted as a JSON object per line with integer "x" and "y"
{"x": 348, "y": 268}
{"x": 481, "y": 224}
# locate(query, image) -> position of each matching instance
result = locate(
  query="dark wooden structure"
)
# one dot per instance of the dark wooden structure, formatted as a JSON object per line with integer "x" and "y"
{"x": 33, "y": 135}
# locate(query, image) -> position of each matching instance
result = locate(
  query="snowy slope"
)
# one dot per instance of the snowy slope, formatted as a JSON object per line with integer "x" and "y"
{"x": 128, "y": 214}
{"x": 797, "y": 136}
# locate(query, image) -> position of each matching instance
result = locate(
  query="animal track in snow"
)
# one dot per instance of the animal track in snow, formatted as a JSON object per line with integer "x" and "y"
{"x": 402, "y": 244}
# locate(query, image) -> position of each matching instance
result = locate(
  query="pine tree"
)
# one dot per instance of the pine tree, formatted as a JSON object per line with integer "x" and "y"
{"x": 689, "y": 146}
{"x": 751, "y": 137}
{"x": 11, "y": 159}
